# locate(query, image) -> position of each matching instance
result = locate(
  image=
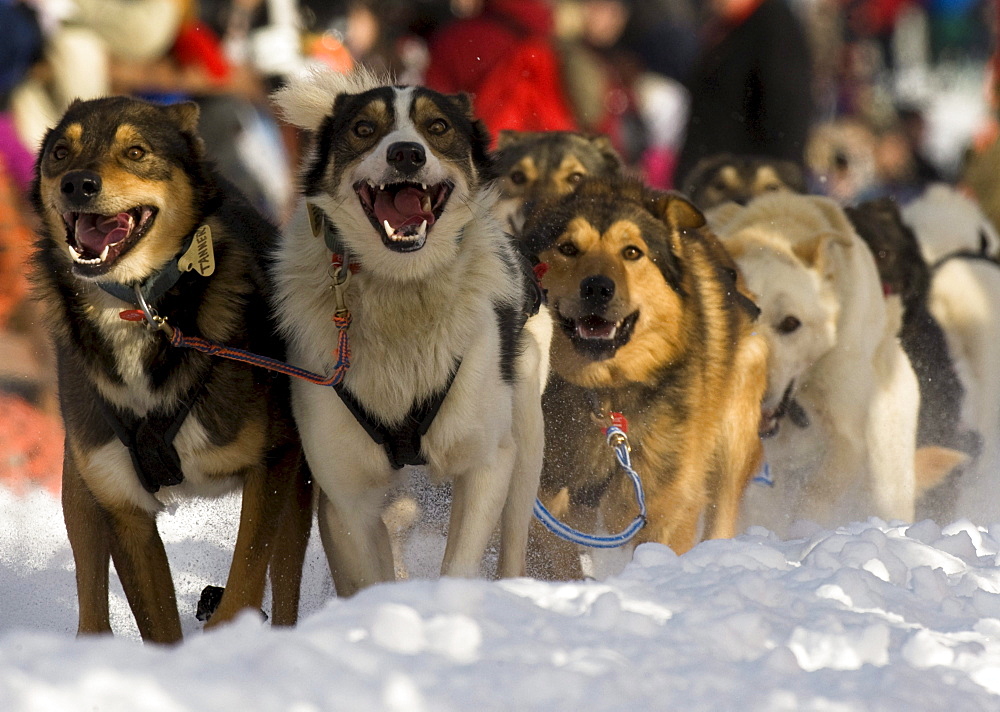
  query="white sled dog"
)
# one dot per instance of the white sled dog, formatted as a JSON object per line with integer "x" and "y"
{"x": 442, "y": 370}
{"x": 840, "y": 411}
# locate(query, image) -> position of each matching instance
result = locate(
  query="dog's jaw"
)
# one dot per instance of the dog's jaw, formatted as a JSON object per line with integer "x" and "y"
{"x": 597, "y": 338}
{"x": 403, "y": 213}
{"x": 96, "y": 241}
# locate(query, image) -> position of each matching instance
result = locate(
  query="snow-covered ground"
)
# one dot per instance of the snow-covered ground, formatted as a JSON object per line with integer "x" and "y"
{"x": 872, "y": 616}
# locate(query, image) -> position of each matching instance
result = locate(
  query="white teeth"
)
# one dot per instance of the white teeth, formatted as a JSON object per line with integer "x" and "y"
{"x": 381, "y": 186}
{"x": 78, "y": 257}
{"x": 388, "y": 229}
{"x": 104, "y": 252}
{"x": 422, "y": 232}
{"x": 423, "y": 186}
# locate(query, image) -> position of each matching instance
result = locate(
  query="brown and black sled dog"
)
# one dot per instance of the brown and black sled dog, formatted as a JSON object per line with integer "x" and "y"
{"x": 650, "y": 322}
{"x": 127, "y": 201}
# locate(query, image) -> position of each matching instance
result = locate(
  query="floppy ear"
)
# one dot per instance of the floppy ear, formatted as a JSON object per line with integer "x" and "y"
{"x": 840, "y": 225}
{"x": 817, "y": 251}
{"x": 308, "y": 99}
{"x": 676, "y": 211}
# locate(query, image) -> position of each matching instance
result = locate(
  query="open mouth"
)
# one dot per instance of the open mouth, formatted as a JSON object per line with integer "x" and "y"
{"x": 770, "y": 420}
{"x": 97, "y": 241}
{"x": 596, "y": 337}
{"x": 403, "y": 213}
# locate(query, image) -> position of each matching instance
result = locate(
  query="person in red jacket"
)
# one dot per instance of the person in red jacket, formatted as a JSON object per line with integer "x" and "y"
{"x": 504, "y": 57}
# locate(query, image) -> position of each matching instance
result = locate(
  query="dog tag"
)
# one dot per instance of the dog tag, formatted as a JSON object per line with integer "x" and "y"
{"x": 201, "y": 255}
{"x": 317, "y": 219}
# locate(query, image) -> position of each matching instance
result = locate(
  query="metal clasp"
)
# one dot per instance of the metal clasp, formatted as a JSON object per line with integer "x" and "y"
{"x": 153, "y": 321}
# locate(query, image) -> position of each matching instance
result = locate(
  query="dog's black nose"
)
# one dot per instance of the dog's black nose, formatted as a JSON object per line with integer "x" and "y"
{"x": 597, "y": 290}
{"x": 80, "y": 186}
{"x": 407, "y": 157}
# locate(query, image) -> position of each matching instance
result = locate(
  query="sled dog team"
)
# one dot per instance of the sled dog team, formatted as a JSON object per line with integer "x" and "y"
{"x": 482, "y": 315}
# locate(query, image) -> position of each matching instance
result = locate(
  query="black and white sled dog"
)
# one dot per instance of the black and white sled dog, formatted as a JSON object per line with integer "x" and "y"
{"x": 443, "y": 371}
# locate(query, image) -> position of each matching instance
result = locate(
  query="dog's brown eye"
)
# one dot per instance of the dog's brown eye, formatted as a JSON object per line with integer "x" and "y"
{"x": 60, "y": 152}
{"x": 631, "y": 253}
{"x": 135, "y": 153}
{"x": 438, "y": 127}
{"x": 788, "y": 325}
{"x": 568, "y": 249}
{"x": 518, "y": 178}
{"x": 364, "y": 129}
{"x": 574, "y": 178}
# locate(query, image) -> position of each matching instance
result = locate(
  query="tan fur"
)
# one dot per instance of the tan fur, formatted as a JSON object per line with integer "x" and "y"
{"x": 694, "y": 435}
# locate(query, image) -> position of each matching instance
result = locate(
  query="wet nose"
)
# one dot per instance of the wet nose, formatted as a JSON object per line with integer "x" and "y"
{"x": 596, "y": 291}
{"x": 407, "y": 157}
{"x": 81, "y": 186}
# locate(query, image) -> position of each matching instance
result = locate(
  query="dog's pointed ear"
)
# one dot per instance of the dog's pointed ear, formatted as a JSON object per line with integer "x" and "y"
{"x": 720, "y": 216}
{"x": 676, "y": 211}
{"x": 184, "y": 115}
{"x": 463, "y": 102}
{"x": 612, "y": 161}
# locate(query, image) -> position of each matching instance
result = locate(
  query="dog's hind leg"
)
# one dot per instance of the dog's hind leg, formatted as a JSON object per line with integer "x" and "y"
{"x": 266, "y": 491}
{"x": 87, "y": 527}
{"x": 478, "y": 497}
{"x": 289, "y": 549}
{"x": 356, "y": 542}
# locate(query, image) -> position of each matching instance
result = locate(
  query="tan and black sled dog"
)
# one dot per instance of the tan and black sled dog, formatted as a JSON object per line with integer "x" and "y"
{"x": 443, "y": 370}
{"x": 650, "y": 323}
{"x": 129, "y": 207}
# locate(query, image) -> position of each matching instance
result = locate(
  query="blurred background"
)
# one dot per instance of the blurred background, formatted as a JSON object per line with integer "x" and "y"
{"x": 871, "y": 97}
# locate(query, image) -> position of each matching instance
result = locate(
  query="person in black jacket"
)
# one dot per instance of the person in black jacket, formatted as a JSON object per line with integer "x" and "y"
{"x": 751, "y": 87}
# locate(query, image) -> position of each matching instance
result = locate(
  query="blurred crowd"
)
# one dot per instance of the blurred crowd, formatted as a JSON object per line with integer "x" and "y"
{"x": 838, "y": 86}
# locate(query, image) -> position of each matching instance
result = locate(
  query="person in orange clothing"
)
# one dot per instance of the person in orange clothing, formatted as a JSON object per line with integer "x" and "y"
{"x": 31, "y": 437}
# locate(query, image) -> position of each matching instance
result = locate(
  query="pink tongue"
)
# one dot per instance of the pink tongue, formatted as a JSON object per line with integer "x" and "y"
{"x": 95, "y": 232}
{"x": 403, "y": 208}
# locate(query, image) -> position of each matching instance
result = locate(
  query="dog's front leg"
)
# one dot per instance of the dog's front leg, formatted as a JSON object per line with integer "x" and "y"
{"x": 266, "y": 490}
{"x": 477, "y": 501}
{"x": 89, "y": 537}
{"x": 549, "y": 557}
{"x": 141, "y": 562}
{"x": 356, "y": 541}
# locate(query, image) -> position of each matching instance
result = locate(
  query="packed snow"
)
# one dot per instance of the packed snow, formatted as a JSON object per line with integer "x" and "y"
{"x": 872, "y": 616}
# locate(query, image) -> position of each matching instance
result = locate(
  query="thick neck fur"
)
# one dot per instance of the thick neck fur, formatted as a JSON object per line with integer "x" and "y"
{"x": 416, "y": 330}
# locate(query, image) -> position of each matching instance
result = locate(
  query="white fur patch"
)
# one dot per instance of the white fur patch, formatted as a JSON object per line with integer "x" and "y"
{"x": 308, "y": 98}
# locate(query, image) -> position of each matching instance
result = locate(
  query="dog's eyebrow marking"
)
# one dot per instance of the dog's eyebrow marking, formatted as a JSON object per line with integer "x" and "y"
{"x": 583, "y": 234}
{"x": 127, "y": 134}
{"x": 73, "y": 132}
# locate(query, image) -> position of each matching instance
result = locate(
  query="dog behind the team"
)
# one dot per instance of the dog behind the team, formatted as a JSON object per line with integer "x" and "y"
{"x": 443, "y": 371}
{"x": 960, "y": 244}
{"x": 129, "y": 207}
{"x": 533, "y": 166}
{"x": 904, "y": 272}
{"x": 651, "y": 323}
{"x": 726, "y": 177}
{"x": 840, "y": 411}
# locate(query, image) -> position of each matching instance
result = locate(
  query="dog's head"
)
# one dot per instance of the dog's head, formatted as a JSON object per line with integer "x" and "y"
{"x": 787, "y": 251}
{"x": 120, "y": 185}
{"x": 533, "y": 166}
{"x": 729, "y": 178}
{"x": 615, "y": 278}
{"x": 900, "y": 264}
{"x": 398, "y": 171}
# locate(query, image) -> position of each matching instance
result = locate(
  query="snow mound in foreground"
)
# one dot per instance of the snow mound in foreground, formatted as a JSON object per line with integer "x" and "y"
{"x": 868, "y": 617}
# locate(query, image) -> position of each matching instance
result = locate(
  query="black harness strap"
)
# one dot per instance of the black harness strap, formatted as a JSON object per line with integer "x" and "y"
{"x": 963, "y": 255}
{"x": 402, "y": 441}
{"x": 150, "y": 441}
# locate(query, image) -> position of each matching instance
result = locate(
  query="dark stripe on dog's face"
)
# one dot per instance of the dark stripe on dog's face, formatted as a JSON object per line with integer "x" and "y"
{"x": 344, "y": 134}
{"x": 469, "y": 140}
